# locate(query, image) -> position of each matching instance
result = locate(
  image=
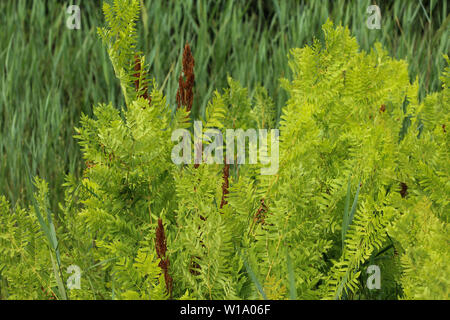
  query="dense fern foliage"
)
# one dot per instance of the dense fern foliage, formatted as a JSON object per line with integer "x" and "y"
{"x": 363, "y": 180}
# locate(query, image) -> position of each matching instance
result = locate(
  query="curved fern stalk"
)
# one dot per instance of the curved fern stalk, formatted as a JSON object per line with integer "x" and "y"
{"x": 120, "y": 38}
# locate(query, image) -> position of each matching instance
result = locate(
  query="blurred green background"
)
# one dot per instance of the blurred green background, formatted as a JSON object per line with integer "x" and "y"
{"x": 51, "y": 74}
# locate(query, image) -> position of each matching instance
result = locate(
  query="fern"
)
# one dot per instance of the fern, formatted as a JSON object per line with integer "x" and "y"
{"x": 363, "y": 179}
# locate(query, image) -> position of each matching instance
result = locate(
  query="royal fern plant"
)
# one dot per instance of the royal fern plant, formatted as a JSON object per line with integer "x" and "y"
{"x": 363, "y": 179}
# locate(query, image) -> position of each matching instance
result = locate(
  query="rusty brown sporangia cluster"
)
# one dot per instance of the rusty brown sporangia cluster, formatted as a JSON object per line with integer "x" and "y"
{"x": 161, "y": 248}
{"x": 185, "y": 97}
{"x": 49, "y": 295}
{"x": 185, "y": 92}
{"x": 403, "y": 190}
{"x": 137, "y": 76}
{"x": 225, "y": 184}
{"x": 260, "y": 215}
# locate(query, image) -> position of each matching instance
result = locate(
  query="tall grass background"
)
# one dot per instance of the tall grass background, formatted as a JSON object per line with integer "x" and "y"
{"x": 50, "y": 74}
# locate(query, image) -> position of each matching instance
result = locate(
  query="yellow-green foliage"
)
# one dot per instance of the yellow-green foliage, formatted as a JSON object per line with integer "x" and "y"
{"x": 26, "y": 264}
{"x": 424, "y": 255}
{"x": 422, "y": 231}
{"x": 363, "y": 179}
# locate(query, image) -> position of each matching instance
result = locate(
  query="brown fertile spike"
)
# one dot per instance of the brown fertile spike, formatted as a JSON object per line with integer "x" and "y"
{"x": 185, "y": 92}
{"x": 160, "y": 244}
{"x": 161, "y": 248}
{"x": 225, "y": 184}
{"x": 260, "y": 214}
{"x": 137, "y": 75}
{"x": 404, "y": 190}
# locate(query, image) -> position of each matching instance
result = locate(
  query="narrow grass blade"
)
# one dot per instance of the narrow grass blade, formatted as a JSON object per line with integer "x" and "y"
{"x": 50, "y": 233}
{"x": 346, "y": 213}
{"x": 56, "y": 271}
{"x": 292, "y": 286}
{"x": 355, "y": 203}
{"x": 253, "y": 277}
